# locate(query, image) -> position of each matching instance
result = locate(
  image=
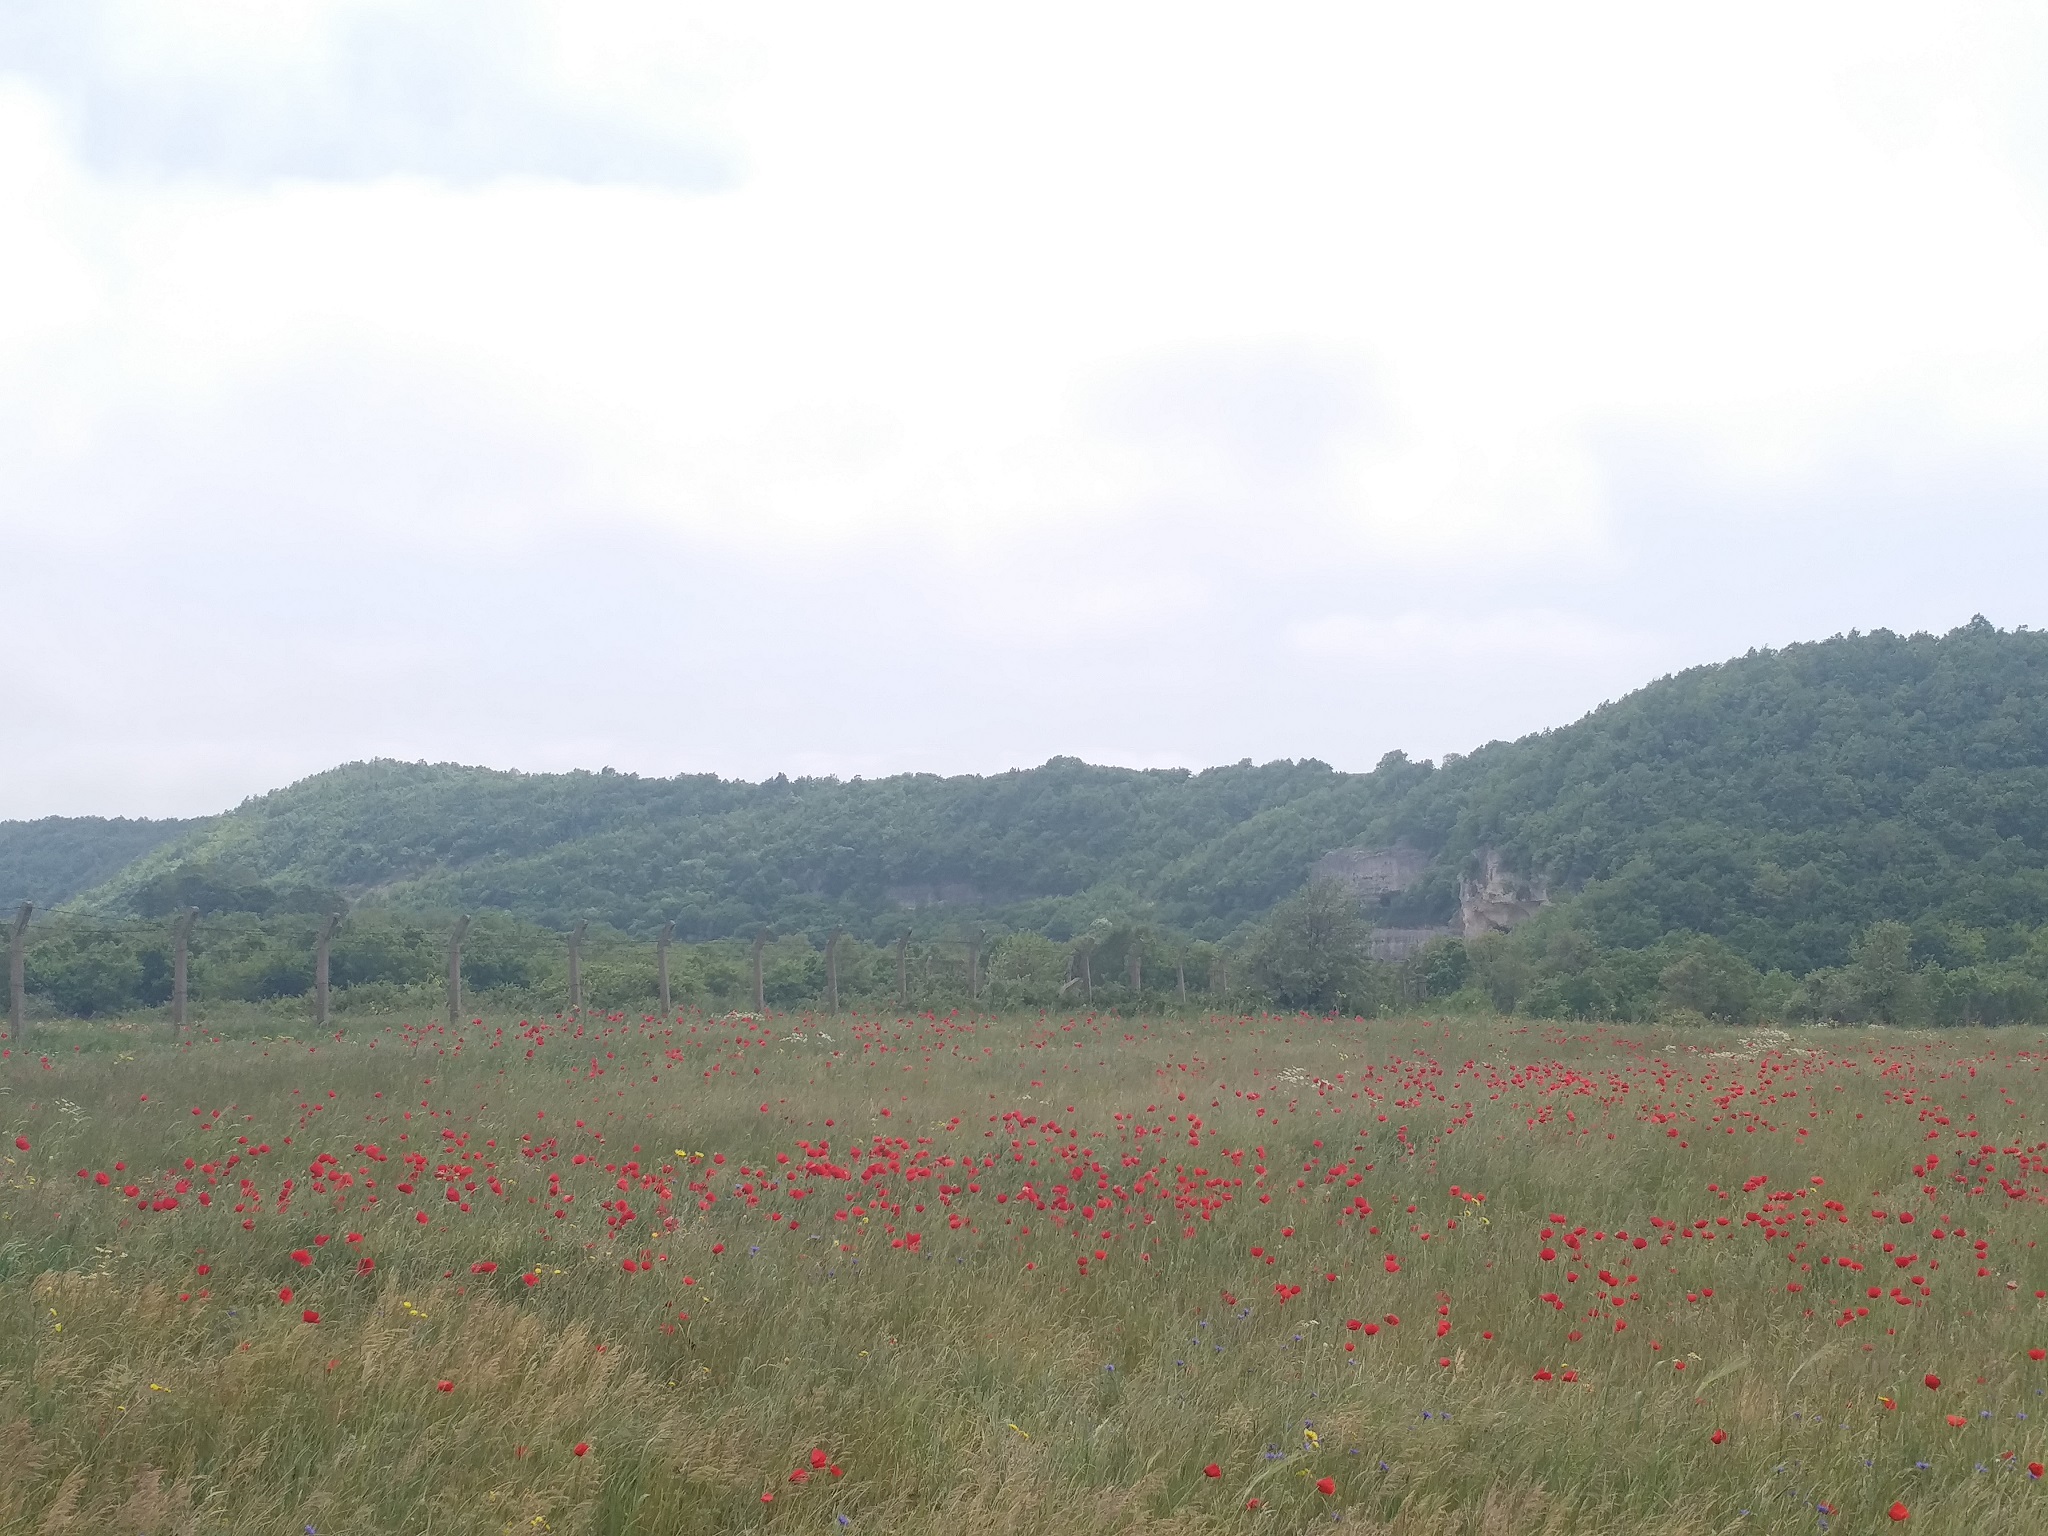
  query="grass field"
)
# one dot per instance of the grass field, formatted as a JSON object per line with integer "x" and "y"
{"x": 1022, "y": 1274}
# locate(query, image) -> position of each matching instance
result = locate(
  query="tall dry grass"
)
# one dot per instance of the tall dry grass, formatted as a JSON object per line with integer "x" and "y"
{"x": 960, "y": 1390}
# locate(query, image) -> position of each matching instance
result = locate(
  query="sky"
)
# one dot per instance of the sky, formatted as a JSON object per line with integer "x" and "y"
{"x": 853, "y": 390}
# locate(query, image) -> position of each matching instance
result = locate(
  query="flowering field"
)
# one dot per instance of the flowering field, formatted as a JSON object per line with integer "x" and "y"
{"x": 1075, "y": 1274}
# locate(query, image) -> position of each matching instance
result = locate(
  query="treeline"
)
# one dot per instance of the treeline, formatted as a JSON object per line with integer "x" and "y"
{"x": 382, "y": 961}
{"x": 1782, "y": 802}
{"x": 1311, "y": 953}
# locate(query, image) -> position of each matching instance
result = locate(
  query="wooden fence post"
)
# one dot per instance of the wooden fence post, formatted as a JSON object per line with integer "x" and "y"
{"x": 17, "y": 984}
{"x": 1180, "y": 971}
{"x": 320, "y": 952}
{"x": 455, "y": 970}
{"x": 832, "y": 972}
{"x": 576, "y": 967}
{"x": 179, "y": 937}
{"x": 668, "y": 931}
{"x": 760, "y": 994}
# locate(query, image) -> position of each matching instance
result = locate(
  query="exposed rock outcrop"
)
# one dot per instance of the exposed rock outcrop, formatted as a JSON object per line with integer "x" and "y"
{"x": 1496, "y": 900}
{"x": 1371, "y": 872}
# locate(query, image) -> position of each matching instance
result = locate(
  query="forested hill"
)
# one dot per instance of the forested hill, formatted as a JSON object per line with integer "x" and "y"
{"x": 1782, "y": 801}
{"x": 53, "y": 858}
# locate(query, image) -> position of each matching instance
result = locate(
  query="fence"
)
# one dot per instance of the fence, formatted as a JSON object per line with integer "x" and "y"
{"x": 89, "y": 965}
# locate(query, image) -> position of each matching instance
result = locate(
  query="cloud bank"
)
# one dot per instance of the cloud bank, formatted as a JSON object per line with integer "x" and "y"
{"x": 818, "y": 391}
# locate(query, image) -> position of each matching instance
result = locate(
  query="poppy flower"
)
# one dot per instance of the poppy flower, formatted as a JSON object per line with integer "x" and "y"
{"x": 582, "y": 1448}
{"x": 2034, "y": 1469}
{"x": 444, "y": 1386}
{"x": 819, "y": 1458}
{"x": 2037, "y": 1354}
{"x": 1956, "y": 1421}
{"x": 1326, "y": 1486}
{"x": 1898, "y": 1511}
{"x": 1212, "y": 1470}
{"x": 1932, "y": 1380}
{"x": 531, "y": 1277}
{"x": 301, "y": 1257}
{"x": 1251, "y": 1503}
{"x": 309, "y": 1316}
{"x": 1719, "y": 1436}
{"x": 284, "y": 1295}
{"x": 21, "y": 1143}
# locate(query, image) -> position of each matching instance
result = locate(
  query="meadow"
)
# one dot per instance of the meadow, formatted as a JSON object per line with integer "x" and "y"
{"x": 1068, "y": 1273}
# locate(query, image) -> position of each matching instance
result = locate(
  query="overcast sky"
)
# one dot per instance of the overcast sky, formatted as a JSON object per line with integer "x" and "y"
{"x": 853, "y": 389}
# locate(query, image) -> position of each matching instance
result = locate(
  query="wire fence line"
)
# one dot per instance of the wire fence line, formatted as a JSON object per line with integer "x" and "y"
{"x": 84, "y": 964}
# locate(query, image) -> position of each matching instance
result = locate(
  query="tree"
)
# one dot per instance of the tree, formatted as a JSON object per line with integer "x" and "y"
{"x": 1311, "y": 953}
{"x": 1710, "y": 979}
{"x": 1881, "y": 974}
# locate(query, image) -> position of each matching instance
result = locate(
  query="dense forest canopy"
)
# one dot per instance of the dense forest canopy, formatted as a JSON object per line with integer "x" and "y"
{"x": 53, "y": 859}
{"x": 1768, "y": 814}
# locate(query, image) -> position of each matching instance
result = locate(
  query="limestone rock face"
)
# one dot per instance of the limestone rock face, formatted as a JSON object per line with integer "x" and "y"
{"x": 1498, "y": 900}
{"x": 1371, "y": 872}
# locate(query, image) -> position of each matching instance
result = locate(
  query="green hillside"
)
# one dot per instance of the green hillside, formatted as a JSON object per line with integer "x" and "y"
{"x": 54, "y": 858}
{"x": 1761, "y": 817}
{"x": 1782, "y": 801}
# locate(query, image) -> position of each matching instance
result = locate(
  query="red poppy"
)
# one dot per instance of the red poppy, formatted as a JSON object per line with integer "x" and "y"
{"x": 1212, "y": 1470}
{"x": 819, "y": 1458}
{"x": 444, "y": 1386}
{"x": 1326, "y": 1486}
{"x": 582, "y": 1448}
{"x": 531, "y": 1278}
{"x": 1719, "y": 1436}
{"x": 1932, "y": 1380}
{"x": 284, "y": 1294}
{"x": 309, "y": 1316}
{"x": 21, "y": 1143}
{"x": 2034, "y": 1469}
{"x": 1898, "y": 1511}
{"x": 2037, "y": 1354}
{"x": 300, "y": 1256}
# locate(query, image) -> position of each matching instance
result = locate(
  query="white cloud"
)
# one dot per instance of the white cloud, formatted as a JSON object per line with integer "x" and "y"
{"x": 1169, "y": 327}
